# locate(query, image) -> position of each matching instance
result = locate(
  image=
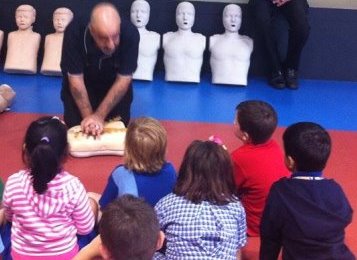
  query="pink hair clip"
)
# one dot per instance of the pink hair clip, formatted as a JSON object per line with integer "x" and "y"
{"x": 217, "y": 140}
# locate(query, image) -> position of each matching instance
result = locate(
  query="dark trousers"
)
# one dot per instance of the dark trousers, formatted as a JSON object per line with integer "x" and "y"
{"x": 296, "y": 14}
{"x": 72, "y": 116}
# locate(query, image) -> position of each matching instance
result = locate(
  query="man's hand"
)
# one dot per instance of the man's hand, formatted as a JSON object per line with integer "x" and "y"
{"x": 279, "y": 3}
{"x": 93, "y": 125}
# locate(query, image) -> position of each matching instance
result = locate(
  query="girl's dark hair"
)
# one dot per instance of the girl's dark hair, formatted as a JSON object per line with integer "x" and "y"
{"x": 206, "y": 174}
{"x": 45, "y": 146}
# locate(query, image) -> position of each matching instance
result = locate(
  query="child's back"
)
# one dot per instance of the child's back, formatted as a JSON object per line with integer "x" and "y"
{"x": 151, "y": 186}
{"x": 46, "y": 205}
{"x": 311, "y": 217}
{"x": 259, "y": 162}
{"x": 145, "y": 172}
{"x": 257, "y": 167}
{"x": 203, "y": 218}
{"x": 48, "y": 222}
{"x": 306, "y": 215}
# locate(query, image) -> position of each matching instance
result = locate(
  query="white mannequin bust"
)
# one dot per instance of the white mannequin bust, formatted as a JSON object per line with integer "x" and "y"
{"x": 149, "y": 44}
{"x": 1, "y": 38}
{"x": 183, "y": 49}
{"x": 53, "y": 42}
{"x": 23, "y": 44}
{"x": 230, "y": 51}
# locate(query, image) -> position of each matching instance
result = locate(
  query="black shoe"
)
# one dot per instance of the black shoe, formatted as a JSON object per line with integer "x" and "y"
{"x": 277, "y": 80}
{"x": 291, "y": 78}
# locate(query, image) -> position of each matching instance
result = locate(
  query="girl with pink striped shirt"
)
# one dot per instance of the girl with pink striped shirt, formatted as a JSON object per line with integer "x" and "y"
{"x": 46, "y": 205}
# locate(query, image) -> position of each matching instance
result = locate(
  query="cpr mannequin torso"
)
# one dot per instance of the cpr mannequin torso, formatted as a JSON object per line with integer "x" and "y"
{"x": 149, "y": 41}
{"x": 148, "y": 48}
{"x": 183, "y": 50}
{"x": 230, "y": 58}
{"x": 23, "y": 44}
{"x": 230, "y": 51}
{"x": 52, "y": 56}
{"x": 53, "y": 42}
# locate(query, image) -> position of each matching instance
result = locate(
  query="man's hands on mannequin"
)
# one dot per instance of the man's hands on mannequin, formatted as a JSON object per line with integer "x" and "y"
{"x": 279, "y": 3}
{"x": 93, "y": 122}
{"x": 93, "y": 125}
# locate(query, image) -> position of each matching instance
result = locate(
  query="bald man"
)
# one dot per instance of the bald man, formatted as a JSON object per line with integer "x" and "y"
{"x": 98, "y": 60}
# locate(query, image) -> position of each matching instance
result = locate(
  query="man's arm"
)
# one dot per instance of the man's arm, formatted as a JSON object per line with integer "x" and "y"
{"x": 94, "y": 123}
{"x": 80, "y": 96}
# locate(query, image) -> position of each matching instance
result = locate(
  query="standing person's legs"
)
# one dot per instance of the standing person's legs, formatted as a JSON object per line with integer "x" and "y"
{"x": 296, "y": 13}
{"x": 264, "y": 15}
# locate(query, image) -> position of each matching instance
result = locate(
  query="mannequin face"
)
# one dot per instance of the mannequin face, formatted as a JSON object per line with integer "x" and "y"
{"x": 140, "y": 13}
{"x": 61, "y": 20}
{"x": 185, "y": 16}
{"x": 25, "y": 17}
{"x": 232, "y": 18}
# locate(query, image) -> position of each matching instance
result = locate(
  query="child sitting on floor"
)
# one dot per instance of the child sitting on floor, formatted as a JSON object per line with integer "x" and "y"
{"x": 203, "y": 218}
{"x": 46, "y": 205}
{"x": 145, "y": 172}
{"x": 306, "y": 214}
{"x": 259, "y": 162}
{"x": 128, "y": 229}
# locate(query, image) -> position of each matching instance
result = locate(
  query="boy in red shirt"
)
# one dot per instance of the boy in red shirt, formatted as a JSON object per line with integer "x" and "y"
{"x": 259, "y": 162}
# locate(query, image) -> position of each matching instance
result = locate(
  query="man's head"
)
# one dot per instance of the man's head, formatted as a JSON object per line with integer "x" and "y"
{"x": 307, "y": 147}
{"x": 185, "y": 15}
{"x": 255, "y": 121}
{"x": 25, "y": 16}
{"x": 140, "y": 13}
{"x": 129, "y": 229}
{"x": 61, "y": 18}
{"x": 232, "y": 18}
{"x": 104, "y": 27}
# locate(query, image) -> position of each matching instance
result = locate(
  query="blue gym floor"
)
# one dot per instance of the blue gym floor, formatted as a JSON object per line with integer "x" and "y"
{"x": 332, "y": 104}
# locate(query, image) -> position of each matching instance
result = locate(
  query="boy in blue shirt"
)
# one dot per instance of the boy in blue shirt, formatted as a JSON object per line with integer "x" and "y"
{"x": 306, "y": 214}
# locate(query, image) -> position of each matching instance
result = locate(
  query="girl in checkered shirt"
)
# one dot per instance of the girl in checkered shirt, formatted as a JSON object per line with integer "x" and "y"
{"x": 203, "y": 218}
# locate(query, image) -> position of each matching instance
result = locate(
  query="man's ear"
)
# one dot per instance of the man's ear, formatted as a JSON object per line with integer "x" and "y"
{"x": 290, "y": 163}
{"x": 160, "y": 240}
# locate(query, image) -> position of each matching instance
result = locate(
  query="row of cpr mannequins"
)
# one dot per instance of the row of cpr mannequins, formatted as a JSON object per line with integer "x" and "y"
{"x": 23, "y": 44}
{"x": 183, "y": 49}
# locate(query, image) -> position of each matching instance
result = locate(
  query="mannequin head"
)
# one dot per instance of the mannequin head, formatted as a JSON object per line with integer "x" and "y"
{"x": 185, "y": 15}
{"x": 140, "y": 13}
{"x": 61, "y": 18}
{"x": 232, "y": 18}
{"x": 25, "y": 16}
{"x": 104, "y": 26}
